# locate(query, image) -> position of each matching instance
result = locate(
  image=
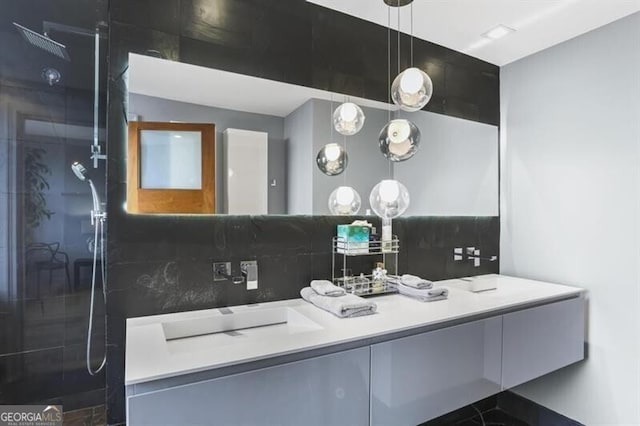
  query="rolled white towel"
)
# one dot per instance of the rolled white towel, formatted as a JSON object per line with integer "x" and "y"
{"x": 424, "y": 295}
{"x": 415, "y": 281}
{"x": 346, "y": 306}
{"x": 327, "y": 288}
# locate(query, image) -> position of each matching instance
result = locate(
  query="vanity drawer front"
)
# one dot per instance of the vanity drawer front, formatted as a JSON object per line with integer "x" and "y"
{"x": 540, "y": 340}
{"x": 327, "y": 390}
{"x": 421, "y": 377}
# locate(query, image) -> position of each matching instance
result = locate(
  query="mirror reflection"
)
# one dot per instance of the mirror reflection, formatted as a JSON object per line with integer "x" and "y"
{"x": 270, "y": 137}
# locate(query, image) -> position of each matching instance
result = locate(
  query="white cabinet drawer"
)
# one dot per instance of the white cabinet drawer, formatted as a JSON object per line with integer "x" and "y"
{"x": 327, "y": 390}
{"x": 421, "y": 377}
{"x": 539, "y": 340}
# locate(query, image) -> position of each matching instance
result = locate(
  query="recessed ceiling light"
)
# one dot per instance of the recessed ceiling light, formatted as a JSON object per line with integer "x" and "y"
{"x": 498, "y": 32}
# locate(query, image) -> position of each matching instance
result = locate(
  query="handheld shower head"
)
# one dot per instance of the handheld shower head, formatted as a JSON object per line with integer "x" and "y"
{"x": 80, "y": 171}
{"x": 83, "y": 174}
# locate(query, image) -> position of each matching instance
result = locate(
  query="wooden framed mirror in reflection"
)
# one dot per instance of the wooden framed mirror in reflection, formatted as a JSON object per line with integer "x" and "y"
{"x": 454, "y": 172}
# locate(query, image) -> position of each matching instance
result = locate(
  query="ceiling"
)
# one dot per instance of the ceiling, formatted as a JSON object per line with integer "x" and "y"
{"x": 459, "y": 24}
{"x": 207, "y": 86}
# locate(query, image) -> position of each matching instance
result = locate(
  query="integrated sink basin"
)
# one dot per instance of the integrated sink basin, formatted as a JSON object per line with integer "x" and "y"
{"x": 246, "y": 322}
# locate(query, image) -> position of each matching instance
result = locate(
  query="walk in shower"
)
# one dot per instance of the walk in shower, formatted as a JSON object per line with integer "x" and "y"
{"x": 52, "y": 114}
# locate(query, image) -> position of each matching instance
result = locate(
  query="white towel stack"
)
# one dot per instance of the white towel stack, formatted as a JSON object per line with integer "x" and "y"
{"x": 419, "y": 288}
{"x": 327, "y": 288}
{"x": 342, "y": 306}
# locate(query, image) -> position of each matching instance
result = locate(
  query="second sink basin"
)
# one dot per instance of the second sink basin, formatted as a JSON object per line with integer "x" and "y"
{"x": 242, "y": 320}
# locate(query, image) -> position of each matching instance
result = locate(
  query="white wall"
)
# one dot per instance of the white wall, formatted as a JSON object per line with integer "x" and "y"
{"x": 455, "y": 171}
{"x": 298, "y": 133}
{"x": 570, "y": 213}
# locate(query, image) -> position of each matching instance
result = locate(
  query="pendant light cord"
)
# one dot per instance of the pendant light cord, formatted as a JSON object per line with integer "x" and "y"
{"x": 389, "y": 63}
{"x": 398, "y": 36}
{"x": 412, "y": 34}
{"x": 389, "y": 73}
{"x": 344, "y": 144}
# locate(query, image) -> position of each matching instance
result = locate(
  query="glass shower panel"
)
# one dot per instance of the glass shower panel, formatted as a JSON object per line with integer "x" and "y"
{"x": 47, "y": 123}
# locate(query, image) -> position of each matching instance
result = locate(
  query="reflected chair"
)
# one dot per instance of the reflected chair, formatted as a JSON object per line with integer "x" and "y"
{"x": 47, "y": 257}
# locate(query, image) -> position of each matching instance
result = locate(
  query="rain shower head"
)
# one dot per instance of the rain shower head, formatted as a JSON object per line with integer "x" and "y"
{"x": 43, "y": 42}
{"x": 80, "y": 171}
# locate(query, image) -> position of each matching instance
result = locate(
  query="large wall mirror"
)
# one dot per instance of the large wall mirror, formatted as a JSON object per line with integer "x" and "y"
{"x": 268, "y": 134}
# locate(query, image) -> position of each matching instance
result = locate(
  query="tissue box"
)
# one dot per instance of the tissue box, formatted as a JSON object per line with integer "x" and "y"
{"x": 353, "y": 239}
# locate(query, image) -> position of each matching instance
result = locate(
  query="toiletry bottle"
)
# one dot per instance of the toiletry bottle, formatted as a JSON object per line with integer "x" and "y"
{"x": 378, "y": 277}
{"x": 374, "y": 241}
{"x": 387, "y": 236}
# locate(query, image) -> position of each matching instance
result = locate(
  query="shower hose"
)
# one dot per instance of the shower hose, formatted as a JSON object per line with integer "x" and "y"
{"x": 98, "y": 232}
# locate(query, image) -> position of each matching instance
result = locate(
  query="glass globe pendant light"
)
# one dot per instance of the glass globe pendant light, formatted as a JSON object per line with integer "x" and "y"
{"x": 399, "y": 140}
{"x": 411, "y": 89}
{"x": 389, "y": 199}
{"x": 332, "y": 159}
{"x": 344, "y": 201}
{"x": 348, "y": 119}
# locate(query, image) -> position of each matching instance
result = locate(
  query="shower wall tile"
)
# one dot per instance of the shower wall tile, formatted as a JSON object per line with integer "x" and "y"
{"x": 31, "y": 376}
{"x": 31, "y": 324}
{"x": 115, "y": 384}
{"x": 77, "y": 317}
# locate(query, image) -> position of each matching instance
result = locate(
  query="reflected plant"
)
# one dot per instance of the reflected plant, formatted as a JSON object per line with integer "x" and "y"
{"x": 35, "y": 172}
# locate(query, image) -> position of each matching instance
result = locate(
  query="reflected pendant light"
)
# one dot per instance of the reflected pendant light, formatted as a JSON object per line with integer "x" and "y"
{"x": 344, "y": 201}
{"x": 399, "y": 140}
{"x": 332, "y": 159}
{"x": 348, "y": 119}
{"x": 389, "y": 199}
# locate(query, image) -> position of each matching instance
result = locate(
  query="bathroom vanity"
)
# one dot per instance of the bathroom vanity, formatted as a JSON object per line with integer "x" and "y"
{"x": 289, "y": 362}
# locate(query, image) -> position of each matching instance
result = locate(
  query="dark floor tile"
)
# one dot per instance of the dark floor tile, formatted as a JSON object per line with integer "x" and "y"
{"x": 85, "y": 399}
{"x": 530, "y": 412}
{"x": 464, "y": 415}
{"x": 100, "y": 415}
{"x": 91, "y": 416}
{"x": 498, "y": 417}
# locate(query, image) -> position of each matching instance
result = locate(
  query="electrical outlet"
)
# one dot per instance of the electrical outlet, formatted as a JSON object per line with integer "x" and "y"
{"x": 224, "y": 267}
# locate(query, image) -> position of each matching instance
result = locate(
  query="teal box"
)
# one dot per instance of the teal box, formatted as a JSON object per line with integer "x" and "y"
{"x": 353, "y": 239}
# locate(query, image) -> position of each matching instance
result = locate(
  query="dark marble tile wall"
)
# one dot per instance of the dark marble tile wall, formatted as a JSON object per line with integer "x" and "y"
{"x": 159, "y": 264}
{"x": 43, "y": 316}
{"x": 301, "y": 43}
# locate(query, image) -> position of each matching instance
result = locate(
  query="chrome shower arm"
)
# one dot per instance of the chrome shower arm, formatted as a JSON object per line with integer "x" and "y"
{"x": 48, "y": 27}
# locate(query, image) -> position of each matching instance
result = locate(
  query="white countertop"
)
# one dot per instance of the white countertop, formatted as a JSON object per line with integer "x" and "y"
{"x": 149, "y": 356}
